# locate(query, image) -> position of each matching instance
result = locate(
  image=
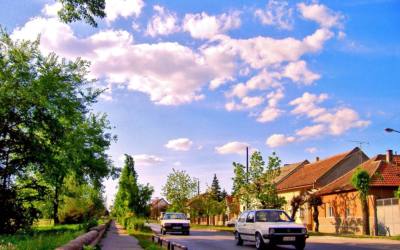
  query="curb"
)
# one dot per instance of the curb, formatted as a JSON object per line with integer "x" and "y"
{"x": 167, "y": 244}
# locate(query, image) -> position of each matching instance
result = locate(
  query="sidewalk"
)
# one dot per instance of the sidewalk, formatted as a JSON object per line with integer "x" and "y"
{"x": 117, "y": 238}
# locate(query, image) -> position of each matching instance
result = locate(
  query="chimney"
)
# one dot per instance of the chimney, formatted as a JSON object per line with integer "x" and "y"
{"x": 317, "y": 158}
{"x": 389, "y": 155}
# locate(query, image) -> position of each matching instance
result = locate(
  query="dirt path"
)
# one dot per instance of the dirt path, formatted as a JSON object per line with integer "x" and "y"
{"x": 117, "y": 238}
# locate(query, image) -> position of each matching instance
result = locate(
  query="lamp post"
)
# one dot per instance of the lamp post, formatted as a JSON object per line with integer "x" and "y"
{"x": 390, "y": 130}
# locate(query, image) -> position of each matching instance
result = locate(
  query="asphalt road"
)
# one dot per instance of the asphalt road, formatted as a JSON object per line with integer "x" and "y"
{"x": 211, "y": 240}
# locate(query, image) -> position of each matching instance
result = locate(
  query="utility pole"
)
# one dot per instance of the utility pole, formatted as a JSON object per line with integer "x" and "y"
{"x": 247, "y": 165}
{"x": 198, "y": 187}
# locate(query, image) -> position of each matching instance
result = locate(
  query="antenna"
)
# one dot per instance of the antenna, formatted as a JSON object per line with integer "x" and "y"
{"x": 360, "y": 145}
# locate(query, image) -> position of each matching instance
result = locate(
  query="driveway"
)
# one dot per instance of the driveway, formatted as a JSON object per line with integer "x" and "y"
{"x": 211, "y": 240}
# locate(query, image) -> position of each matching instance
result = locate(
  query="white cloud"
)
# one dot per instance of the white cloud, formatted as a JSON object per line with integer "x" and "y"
{"x": 180, "y": 144}
{"x": 51, "y": 10}
{"x": 277, "y": 13}
{"x": 251, "y": 102}
{"x": 204, "y": 26}
{"x": 146, "y": 160}
{"x": 269, "y": 114}
{"x": 234, "y": 147}
{"x": 307, "y": 104}
{"x": 342, "y": 120}
{"x": 299, "y": 73}
{"x": 238, "y": 90}
{"x": 311, "y": 150}
{"x": 164, "y": 22}
{"x": 274, "y": 97}
{"x": 278, "y": 140}
{"x": 123, "y": 8}
{"x": 321, "y": 14}
{"x": 311, "y": 131}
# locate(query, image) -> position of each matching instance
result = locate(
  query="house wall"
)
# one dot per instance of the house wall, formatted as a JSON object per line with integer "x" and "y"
{"x": 347, "y": 211}
{"x": 342, "y": 168}
{"x": 303, "y": 215}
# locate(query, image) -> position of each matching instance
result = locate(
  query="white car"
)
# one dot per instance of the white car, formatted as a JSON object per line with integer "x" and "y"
{"x": 269, "y": 227}
{"x": 175, "y": 222}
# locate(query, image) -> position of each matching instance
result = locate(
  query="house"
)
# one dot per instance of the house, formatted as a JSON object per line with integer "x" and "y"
{"x": 341, "y": 211}
{"x": 308, "y": 178}
{"x": 289, "y": 169}
{"x": 158, "y": 206}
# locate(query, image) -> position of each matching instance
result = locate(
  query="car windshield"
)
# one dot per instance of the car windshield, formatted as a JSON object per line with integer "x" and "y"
{"x": 272, "y": 216}
{"x": 174, "y": 217}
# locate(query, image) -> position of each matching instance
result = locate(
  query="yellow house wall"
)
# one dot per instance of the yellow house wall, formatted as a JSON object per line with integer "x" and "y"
{"x": 301, "y": 217}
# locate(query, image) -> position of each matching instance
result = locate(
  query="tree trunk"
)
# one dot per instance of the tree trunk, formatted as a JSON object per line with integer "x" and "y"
{"x": 55, "y": 207}
{"x": 365, "y": 215}
{"x": 294, "y": 211}
{"x": 315, "y": 217}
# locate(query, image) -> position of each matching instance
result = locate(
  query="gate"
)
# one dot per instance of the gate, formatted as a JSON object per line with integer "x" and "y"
{"x": 388, "y": 216}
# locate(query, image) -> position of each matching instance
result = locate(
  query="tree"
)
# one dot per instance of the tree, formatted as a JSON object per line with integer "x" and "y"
{"x": 131, "y": 197}
{"x": 240, "y": 184}
{"x": 360, "y": 181}
{"x": 216, "y": 189}
{"x": 296, "y": 202}
{"x": 178, "y": 189}
{"x": 87, "y": 10}
{"x": 315, "y": 201}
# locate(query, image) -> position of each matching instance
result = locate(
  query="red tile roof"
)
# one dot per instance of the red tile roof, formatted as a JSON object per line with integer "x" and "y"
{"x": 289, "y": 169}
{"x": 382, "y": 172}
{"x": 308, "y": 174}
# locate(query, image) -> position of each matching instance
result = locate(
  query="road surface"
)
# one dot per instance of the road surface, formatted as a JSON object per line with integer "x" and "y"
{"x": 211, "y": 240}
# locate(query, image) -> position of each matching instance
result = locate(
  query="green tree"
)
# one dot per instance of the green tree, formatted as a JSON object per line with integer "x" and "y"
{"x": 361, "y": 181}
{"x": 216, "y": 189}
{"x": 87, "y": 10}
{"x": 178, "y": 189}
{"x": 315, "y": 201}
{"x": 131, "y": 197}
{"x": 240, "y": 184}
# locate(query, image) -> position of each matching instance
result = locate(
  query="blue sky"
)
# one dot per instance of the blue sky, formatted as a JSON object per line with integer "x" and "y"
{"x": 190, "y": 85}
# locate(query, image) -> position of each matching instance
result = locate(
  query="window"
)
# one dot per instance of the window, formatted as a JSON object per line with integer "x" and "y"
{"x": 272, "y": 216}
{"x": 329, "y": 212}
{"x": 242, "y": 217}
{"x": 250, "y": 217}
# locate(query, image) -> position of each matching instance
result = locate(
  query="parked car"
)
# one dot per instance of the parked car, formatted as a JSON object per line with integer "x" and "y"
{"x": 269, "y": 227}
{"x": 175, "y": 222}
{"x": 231, "y": 223}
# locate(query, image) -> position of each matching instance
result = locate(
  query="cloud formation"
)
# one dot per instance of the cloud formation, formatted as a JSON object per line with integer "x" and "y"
{"x": 233, "y": 147}
{"x": 180, "y": 144}
{"x": 146, "y": 160}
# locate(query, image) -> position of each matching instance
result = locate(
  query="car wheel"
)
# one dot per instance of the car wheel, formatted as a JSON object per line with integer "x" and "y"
{"x": 238, "y": 238}
{"x": 300, "y": 246}
{"x": 259, "y": 242}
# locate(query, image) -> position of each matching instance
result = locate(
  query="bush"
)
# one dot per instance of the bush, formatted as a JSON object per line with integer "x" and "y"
{"x": 87, "y": 225}
{"x": 134, "y": 223}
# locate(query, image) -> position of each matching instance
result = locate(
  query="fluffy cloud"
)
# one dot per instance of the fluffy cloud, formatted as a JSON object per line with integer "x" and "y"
{"x": 123, "y": 8}
{"x": 51, "y": 10}
{"x": 311, "y": 150}
{"x": 269, "y": 114}
{"x": 278, "y": 140}
{"x": 146, "y": 160}
{"x": 307, "y": 104}
{"x": 180, "y": 144}
{"x": 311, "y": 131}
{"x": 342, "y": 120}
{"x": 320, "y": 14}
{"x": 234, "y": 147}
{"x": 204, "y": 26}
{"x": 277, "y": 13}
{"x": 163, "y": 22}
{"x": 299, "y": 73}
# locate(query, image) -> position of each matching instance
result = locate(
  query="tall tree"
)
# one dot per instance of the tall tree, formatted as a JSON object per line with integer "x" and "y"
{"x": 87, "y": 10}
{"x": 178, "y": 189}
{"x": 131, "y": 197}
{"x": 216, "y": 189}
{"x": 240, "y": 188}
{"x": 361, "y": 181}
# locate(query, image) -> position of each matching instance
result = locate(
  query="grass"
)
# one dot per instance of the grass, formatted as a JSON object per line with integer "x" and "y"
{"x": 211, "y": 227}
{"x": 43, "y": 236}
{"x": 144, "y": 238}
{"x": 355, "y": 236}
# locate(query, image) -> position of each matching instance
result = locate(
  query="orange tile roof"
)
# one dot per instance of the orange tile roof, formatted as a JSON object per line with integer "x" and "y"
{"x": 308, "y": 174}
{"x": 383, "y": 174}
{"x": 289, "y": 169}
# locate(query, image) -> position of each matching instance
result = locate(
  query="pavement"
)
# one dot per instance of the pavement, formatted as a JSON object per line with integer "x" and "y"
{"x": 118, "y": 239}
{"x": 211, "y": 240}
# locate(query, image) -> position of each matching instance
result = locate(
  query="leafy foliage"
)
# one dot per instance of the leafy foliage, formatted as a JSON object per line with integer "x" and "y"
{"x": 87, "y": 10}
{"x": 215, "y": 190}
{"x": 361, "y": 181}
{"x": 131, "y": 198}
{"x": 178, "y": 189}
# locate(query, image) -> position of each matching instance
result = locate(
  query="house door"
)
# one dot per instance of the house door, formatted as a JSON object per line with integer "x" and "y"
{"x": 388, "y": 216}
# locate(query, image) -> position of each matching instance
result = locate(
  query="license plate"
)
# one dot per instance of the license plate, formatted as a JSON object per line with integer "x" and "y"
{"x": 176, "y": 227}
{"x": 289, "y": 238}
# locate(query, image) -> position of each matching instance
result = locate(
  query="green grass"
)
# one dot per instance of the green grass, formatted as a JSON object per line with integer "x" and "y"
{"x": 144, "y": 238}
{"x": 210, "y": 227}
{"x": 43, "y": 236}
{"x": 355, "y": 236}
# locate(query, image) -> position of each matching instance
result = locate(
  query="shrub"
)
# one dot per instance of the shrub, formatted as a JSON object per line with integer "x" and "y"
{"x": 87, "y": 225}
{"x": 132, "y": 222}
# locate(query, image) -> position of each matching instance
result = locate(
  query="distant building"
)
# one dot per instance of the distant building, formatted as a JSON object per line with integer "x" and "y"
{"x": 158, "y": 206}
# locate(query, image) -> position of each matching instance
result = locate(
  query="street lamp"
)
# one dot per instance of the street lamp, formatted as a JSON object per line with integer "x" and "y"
{"x": 390, "y": 130}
